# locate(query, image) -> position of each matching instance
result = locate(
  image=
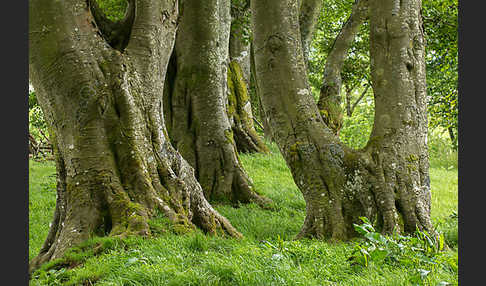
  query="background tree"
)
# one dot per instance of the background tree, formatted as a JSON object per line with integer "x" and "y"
{"x": 239, "y": 109}
{"x": 115, "y": 165}
{"x": 388, "y": 180}
{"x": 196, "y": 102}
{"x": 329, "y": 102}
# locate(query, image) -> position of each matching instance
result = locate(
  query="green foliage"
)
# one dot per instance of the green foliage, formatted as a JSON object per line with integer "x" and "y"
{"x": 440, "y": 152}
{"x": 357, "y": 128}
{"x": 356, "y": 66}
{"x": 440, "y": 25}
{"x": 36, "y": 117}
{"x": 113, "y": 9}
{"x": 423, "y": 251}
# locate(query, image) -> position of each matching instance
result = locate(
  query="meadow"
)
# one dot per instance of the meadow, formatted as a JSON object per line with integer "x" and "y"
{"x": 266, "y": 255}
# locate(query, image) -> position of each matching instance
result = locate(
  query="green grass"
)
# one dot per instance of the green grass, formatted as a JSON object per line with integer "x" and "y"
{"x": 266, "y": 255}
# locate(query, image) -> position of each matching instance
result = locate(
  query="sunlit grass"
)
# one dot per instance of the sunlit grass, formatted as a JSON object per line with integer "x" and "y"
{"x": 267, "y": 255}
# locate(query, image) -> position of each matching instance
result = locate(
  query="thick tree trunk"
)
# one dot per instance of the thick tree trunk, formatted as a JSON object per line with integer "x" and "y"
{"x": 388, "y": 180}
{"x": 398, "y": 143}
{"x": 115, "y": 165}
{"x": 200, "y": 129}
{"x": 239, "y": 107}
{"x": 330, "y": 96}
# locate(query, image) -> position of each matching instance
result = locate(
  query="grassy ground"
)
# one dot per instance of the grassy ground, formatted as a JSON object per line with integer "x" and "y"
{"x": 265, "y": 256}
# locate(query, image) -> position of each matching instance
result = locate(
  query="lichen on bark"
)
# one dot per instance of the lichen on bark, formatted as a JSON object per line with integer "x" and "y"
{"x": 115, "y": 165}
{"x": 200, "y": 127}
{"x": 340, "y": 184}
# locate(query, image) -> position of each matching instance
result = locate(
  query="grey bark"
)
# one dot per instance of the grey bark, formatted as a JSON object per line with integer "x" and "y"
{"x": 200, "y": 128}
{"x": 309, "y": 13}
{"x": 388, "y": 180}
{"x": 115, "y": 165}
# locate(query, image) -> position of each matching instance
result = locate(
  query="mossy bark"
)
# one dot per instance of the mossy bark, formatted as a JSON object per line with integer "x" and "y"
{"x": 199, "y": 125}
{"x": 388, "y": 180}
{"x": 329, "y": 102}
{"x": 239, "y": 112}
{"x": 115, "y": 166}
{"x": 239, "y": 105}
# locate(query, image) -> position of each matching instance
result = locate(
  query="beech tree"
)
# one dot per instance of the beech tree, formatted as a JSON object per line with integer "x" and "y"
{"x": 388, "y": 180}
{"x": 240, "y": 109}
{"x": 196, "y": 102}
{"x": 100, "y": 85}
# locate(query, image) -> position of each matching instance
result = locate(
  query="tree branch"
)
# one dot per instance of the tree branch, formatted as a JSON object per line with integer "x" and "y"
{"x": 309, "y": 13}
{"x": 359, "y": 99}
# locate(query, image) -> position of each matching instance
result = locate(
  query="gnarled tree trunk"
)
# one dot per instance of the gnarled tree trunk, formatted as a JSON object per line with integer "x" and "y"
{"x": 200, "y": 129}
{"x": 239, "y": 112}
{"x": 388, "y": 180}
{"x": 103, "y": 104}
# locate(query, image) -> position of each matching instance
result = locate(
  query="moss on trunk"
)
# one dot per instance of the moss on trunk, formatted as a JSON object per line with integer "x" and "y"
{"x": 200, "y": 127}
{"x": 115, "y": 166}
{"x": 339, "y": 184}
{"x": 240, "y": 114}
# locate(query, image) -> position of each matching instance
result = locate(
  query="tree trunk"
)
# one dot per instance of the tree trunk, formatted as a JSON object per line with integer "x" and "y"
{"x": 200, "y": 129}
{"x": 330, "y": 96}
{"x": 115, "y": 165}
{"x": 388, "y": 180}
{"x": 239, "y": 112}
{"x": 257, "y": 95}
{"x": 398, "y": 143}
{"x": 309, "y": 13}
{"x": 239, "y": 107}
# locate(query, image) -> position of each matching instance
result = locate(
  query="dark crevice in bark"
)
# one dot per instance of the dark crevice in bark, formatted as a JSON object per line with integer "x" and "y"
{"x": 116, "y": 34}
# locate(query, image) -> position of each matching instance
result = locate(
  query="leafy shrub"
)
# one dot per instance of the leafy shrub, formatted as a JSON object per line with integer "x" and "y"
{"x": 423, "y": 251}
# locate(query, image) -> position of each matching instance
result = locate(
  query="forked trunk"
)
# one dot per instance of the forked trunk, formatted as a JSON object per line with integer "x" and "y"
{"x": 115, "y": 165}
{"x": 199, "y": 125}
{"x": 388, "y": 180}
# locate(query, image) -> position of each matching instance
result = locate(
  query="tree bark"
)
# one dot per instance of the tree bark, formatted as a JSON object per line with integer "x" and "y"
{"x": 309, "y": 13}
{"x": 239, "y": 107}
{"x": 330, "y": 95}
{"x": 388, "y": 180}
{"x": 239, "y": 113}
{"x": 200, "y": 129}
{"x": 398, "y": 143}
{"x": 115, "y": 165}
